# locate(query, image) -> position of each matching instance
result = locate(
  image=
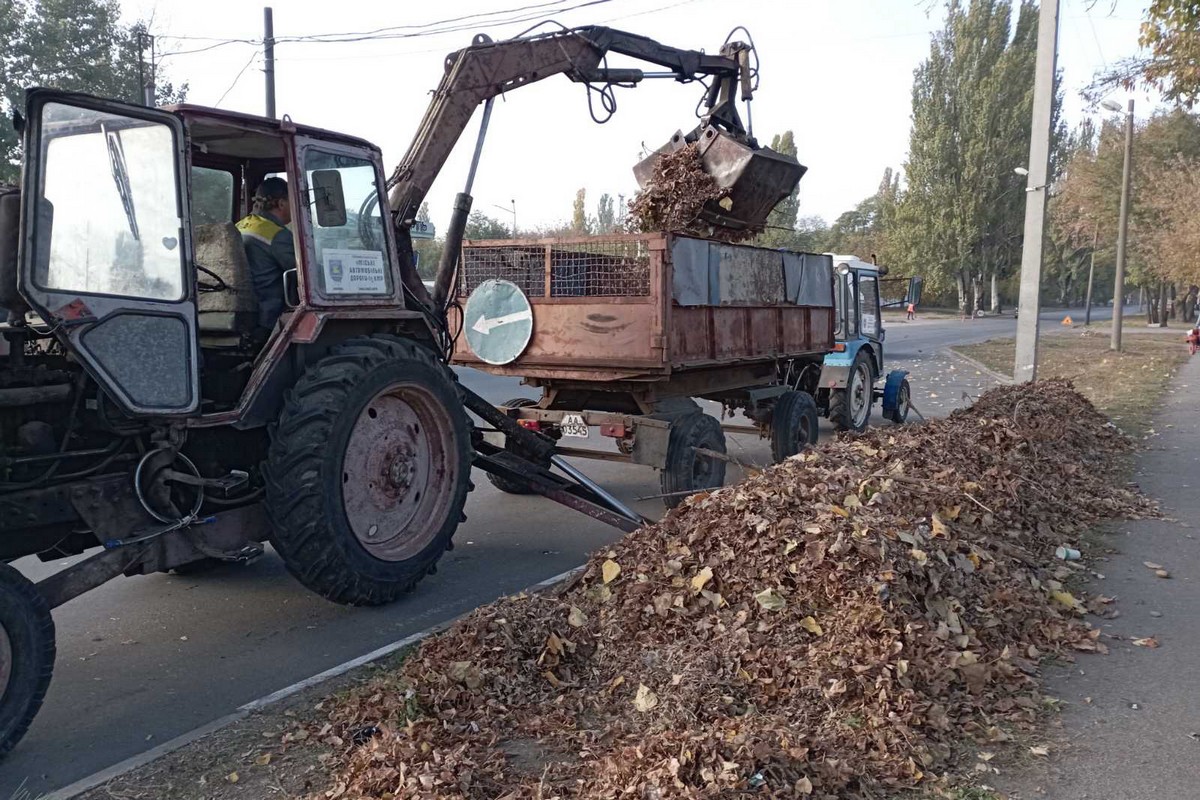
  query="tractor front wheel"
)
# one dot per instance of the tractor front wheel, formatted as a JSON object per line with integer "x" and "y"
{"x": 26, "y": 654}
{"x": 368, "y": 470}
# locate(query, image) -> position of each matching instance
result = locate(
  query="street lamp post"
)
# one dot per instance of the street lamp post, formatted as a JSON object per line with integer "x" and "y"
{"x": 512, "y": 211}
{"x": 1123, "y": 226}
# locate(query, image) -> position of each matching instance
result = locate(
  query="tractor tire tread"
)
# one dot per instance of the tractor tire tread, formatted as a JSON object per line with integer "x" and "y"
{"x": 298, "y": 451}
{"x": 27, "y": 686}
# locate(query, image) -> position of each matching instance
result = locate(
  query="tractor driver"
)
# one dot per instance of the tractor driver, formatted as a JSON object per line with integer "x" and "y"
{"x": 270, "y": 251}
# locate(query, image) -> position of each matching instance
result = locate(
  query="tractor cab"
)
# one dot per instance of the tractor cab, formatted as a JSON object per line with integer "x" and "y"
{"x": 130, "y": 249}
{"x": 847, "y": 385}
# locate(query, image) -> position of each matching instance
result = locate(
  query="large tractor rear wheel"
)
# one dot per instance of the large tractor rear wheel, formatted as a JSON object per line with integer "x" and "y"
{"x": 26, "y": 655}
{"x": 368, "y": 470}
{"x": 850, "y": 408}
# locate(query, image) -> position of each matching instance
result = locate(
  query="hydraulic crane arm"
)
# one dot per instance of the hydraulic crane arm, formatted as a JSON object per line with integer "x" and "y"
{"x": 487, "y": 69}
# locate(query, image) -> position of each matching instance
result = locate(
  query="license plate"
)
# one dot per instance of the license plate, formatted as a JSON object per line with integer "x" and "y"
{"x": 574, "y": 426}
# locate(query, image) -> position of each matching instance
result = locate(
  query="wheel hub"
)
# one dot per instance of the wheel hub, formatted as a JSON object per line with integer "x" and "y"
{"x": 400, "y": 471}
{"x": 397, "y": 471}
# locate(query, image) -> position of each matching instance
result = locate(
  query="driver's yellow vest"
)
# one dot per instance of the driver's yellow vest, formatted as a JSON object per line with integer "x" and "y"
{"x": 259, "y": 228}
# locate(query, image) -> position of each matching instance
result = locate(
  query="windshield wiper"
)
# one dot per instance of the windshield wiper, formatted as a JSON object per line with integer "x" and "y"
{"x": 120, "y": 174}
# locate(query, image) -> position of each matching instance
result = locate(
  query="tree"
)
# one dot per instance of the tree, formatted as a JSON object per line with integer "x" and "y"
{"x": 76, "y": 45}
{"x": 781, "y": 222}
{"x": 606, "y": 214}
{"x": 959, "y": 219}
{"x": 1163, "y": 213}
{"x": 580, "y": 225}
{"x": 428, "y": 251}
{"x": 866, "y": 229}
{"x": 1170, "y": 37}
{"x": 481, "y": 226}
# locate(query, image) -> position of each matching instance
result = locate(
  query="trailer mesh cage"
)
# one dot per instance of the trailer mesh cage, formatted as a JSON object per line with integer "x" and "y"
{"x": 616, "y": 267}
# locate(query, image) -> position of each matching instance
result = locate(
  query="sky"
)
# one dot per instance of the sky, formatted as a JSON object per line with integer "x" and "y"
{"x": 836, "y": 72}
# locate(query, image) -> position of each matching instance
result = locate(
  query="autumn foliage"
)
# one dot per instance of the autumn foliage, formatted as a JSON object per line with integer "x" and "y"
{"x": 833, "y": 627}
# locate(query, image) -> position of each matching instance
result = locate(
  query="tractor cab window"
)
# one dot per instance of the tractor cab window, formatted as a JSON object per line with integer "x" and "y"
{"x": 347, "y": 226}
{"x": 868, "y": 294}
{"x": 846, "y": 304}
{"x": 212, "y": 196}
{"x": 109, "y": 206}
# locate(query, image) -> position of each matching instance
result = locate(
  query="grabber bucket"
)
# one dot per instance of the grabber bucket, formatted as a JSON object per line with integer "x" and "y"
{"x": 756, "y": 178}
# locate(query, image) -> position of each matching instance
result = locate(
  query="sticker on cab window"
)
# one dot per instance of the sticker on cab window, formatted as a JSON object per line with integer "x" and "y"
{"x": 355, "y": 272}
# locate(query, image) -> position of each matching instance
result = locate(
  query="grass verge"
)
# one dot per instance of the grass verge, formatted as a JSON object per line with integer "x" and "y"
{"x": 1126, "y": 386}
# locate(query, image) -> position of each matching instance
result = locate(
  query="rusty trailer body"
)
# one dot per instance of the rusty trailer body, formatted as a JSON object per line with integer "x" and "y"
{"x": 629, "y": 330}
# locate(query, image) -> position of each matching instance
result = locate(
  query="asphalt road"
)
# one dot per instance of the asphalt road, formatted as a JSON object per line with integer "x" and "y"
{"x": 146, "y": 659}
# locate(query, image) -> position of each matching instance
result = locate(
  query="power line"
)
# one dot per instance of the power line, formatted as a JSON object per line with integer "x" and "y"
{"x": 242, "y": 72}
{"x": 524, "y": 13}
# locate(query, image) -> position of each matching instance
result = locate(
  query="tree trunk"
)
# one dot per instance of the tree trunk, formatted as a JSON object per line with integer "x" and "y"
{"x": 1163, "y": 295}
{"x": 961, "y": 284}
{"x": 976, "y": 293}
{"x": 995, "y": 295}
{"x": 1151, "y": 307}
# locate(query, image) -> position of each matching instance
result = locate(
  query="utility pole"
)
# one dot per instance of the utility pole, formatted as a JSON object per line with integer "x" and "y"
{"x": 146, "y": 72}
{"x": 1087, "y": 314}
{"x": 1025, "y": 368}
{"x": 269, "y": 58}
{"x": 1122, "y": 230}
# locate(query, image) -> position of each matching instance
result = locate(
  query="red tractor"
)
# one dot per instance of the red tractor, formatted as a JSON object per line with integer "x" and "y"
{"x": 141, "y": 419}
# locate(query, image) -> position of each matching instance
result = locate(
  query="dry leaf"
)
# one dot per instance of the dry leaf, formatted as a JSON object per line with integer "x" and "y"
{"x": 1152, "y": 565}
{"x": 810, "y": 624}
{"x": 576, "y": 619}
{"x": 701, "y": 578}
{"x": 1147, "y": 641}
{"x": 804, "y": 786}
{"x": 770, "y": 600}
{"x": 644, "y": 699}
{"x": 263, "y": 760}
{"x": 232, "y": 777}
{"x": 1040, "y": 751}
{"x": 939, "y": 527}
{"x": 609, "y": 570}
{"x": 1067, "y": 599}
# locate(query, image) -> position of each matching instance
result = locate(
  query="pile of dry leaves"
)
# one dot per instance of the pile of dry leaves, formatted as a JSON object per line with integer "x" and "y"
{"x": 836, "y": 626}
{"x": 676, "y": 193}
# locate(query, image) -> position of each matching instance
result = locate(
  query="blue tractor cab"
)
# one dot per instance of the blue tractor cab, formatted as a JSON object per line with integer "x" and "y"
{"x": 848, "y": 385}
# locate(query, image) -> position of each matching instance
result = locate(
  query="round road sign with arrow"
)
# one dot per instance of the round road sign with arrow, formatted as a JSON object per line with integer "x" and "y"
{"x": 499, "y": 321}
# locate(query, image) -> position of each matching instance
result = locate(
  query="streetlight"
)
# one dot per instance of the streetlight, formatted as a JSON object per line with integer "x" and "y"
{"x": 1123, "y": 225}
{"x": 512, "y": 211}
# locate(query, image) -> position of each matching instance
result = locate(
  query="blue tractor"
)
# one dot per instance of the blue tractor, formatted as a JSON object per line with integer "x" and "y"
{"x": 846, "y": 384}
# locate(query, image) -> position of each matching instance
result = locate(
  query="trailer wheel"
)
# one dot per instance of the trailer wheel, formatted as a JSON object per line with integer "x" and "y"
{"x": 793, "y": 424}
{"x": 368, "y": 470}
{"x": 850, "y": 408}
{"x": 506, "y": 486}
{"x": 899, "y": 414}
{"x": 686, "y": 470}
{"x": 26, "y": 654}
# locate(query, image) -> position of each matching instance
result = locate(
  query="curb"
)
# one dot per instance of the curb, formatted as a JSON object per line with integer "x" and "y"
{"x": 141, "y": 759}
{"x": 991, "y": 373}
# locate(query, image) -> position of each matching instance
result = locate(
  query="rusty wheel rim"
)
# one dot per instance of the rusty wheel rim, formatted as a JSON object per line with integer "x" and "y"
{"x": 6, "y": 661}
{"x": 398, "y": 472}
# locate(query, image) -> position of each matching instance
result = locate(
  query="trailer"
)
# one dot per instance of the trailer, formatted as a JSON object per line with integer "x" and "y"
{"x": 624, "y": 333}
